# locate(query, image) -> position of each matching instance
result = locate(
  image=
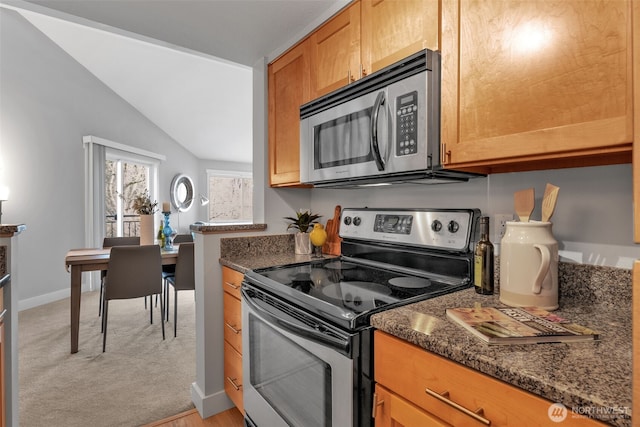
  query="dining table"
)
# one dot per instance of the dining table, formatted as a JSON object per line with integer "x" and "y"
{"x": 78, "y": 261}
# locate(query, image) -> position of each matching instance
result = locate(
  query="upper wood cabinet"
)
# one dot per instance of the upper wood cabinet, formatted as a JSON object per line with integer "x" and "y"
{"x": 367, "y": 36}
{"x": 392, "y": 30}
{"x": 335, "y": 52}
{"x": 288, "y": 88}
{"x": 536, "y": 85}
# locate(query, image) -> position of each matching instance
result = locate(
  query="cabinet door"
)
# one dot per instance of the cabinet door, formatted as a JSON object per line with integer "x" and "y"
{"x": 232, "y": 321}
{"x": 636, "y": 139}
{"x": 231, "y": 281}
{"x": 547, "y": 84}
{"x": 288, "y": 89}
{"x": 335, "y": 52}
{"x": 392, "y": 30}
{"x": 233, "y": 376}
{"x": 393, "y": 411}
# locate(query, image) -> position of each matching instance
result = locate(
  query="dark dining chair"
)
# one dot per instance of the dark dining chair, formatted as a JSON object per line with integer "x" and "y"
{"x": 183, "y": 280}
{"x": 110, "y": 242}
{"x": 170, "y": 270}
{"x": 134, "y": 272}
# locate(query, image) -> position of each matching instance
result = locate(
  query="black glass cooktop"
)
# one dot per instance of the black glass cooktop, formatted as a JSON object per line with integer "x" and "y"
{"x": 345, "y": 292}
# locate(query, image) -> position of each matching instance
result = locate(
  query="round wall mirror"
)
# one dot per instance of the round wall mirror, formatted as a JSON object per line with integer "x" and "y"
{"x": 182, "y": 192}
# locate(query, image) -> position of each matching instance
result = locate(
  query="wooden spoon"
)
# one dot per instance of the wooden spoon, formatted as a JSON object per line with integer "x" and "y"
{"x": 524, "y": 202}
{"x": 549, "y": 201}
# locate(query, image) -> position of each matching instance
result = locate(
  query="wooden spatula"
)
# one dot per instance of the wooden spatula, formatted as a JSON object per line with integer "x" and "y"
{"x": 524, "y": 202}
{"x": 549, "y": 201}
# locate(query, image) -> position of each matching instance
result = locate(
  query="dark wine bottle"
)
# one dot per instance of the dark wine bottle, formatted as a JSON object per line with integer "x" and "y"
{"x": 483, "y": 260}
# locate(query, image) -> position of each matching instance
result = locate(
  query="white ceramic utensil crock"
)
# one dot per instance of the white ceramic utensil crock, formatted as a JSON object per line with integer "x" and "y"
{"x": 529, "y": 265}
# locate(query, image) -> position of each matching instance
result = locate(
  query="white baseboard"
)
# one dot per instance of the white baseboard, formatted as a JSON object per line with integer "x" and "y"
{"x": 47, "y": 298}
{"x": 209, "y": 405}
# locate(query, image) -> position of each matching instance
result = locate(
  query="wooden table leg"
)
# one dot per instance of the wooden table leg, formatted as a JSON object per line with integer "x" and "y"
{"x": 76, "y": 283}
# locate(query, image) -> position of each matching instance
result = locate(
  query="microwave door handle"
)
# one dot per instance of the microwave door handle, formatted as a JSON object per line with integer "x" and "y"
{"x": 373, "y": 141}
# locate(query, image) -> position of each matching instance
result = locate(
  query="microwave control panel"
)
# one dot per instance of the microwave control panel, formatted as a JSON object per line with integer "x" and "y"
{"x": 407, "y": 124}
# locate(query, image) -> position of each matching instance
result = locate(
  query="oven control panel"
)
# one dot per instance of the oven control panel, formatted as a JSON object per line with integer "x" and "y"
{"x": 445, "y": 229}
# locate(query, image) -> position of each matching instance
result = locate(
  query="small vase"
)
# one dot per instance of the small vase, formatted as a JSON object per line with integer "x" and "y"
{"x": 303, "y": 244}
{"x": 147, "y": 233}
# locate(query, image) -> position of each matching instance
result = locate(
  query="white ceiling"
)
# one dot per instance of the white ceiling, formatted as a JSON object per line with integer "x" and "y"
{"x": 184, "y": 64}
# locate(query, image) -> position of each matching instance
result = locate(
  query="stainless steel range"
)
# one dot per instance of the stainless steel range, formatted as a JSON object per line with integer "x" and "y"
{"x": 306, "y": 336}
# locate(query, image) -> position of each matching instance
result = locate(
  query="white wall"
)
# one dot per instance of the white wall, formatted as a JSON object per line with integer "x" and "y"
{"x": 48, "y": 102}
{"x": 593, "y": 219}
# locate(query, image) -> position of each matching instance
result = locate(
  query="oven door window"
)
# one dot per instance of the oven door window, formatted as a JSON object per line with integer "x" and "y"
{"x": 293, "y": 381}
{"x": 343, "y": 141}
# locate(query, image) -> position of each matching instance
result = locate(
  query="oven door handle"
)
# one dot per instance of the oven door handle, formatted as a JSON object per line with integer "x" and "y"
{"x": 311, "y": 334}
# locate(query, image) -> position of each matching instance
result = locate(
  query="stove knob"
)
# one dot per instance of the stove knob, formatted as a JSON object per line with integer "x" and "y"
{"x": 347, "y": 220}
{"x": 357, "y": 221}
{"x": 453, "y": 226}
{"x": 436, "y": 226}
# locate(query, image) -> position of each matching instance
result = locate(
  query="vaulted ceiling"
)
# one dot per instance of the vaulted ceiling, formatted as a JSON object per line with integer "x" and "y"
{"x": 184, "y": 64}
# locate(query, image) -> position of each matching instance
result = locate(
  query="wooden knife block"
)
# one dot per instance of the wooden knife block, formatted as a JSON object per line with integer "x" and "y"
{"x": 332, "y": 245}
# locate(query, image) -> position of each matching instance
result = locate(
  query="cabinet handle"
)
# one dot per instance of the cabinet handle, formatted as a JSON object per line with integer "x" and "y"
{"x": 233, "y": 383}
{"x": 363, "y": 72}
{"x": 350, "y": 78}
{"x": 235, "y": 331}
{"x": 477, "y": 415}
{"x": 376, "y": 404}
{"x": 232, "y": 285}
{"x": 445, "y": 156}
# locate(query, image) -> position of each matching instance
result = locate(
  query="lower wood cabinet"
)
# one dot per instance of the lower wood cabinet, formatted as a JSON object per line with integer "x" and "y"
{"x": 233, "y": 376}
{"x": 231, "y": 282}
{"x": 418, "y": 388}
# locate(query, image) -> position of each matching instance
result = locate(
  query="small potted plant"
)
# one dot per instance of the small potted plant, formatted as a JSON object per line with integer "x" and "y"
{"x": 302, "y": 222}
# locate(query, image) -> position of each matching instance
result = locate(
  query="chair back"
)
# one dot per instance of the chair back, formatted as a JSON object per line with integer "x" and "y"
{"x": 183, "y": 238}
{"x": 185, "y": 277}
{"x": 110, "y": 242}
{"x": 134, "y": 271}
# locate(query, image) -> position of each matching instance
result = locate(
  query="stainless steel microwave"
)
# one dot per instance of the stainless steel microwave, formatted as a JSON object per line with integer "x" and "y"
{"x": 383, "y": 128}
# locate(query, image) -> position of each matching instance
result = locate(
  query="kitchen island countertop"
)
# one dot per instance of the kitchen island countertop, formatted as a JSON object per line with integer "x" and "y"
{"x": 592, "y": 378}
{"x": 253, "y": 252}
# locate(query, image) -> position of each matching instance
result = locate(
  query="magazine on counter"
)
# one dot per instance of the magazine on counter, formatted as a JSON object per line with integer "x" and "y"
{"x": 522, "y": 325}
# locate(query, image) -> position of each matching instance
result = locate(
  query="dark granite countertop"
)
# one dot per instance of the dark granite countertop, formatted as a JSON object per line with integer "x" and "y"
{"x": 226, "y": 228}
{"x": 252, "y": 252}
{"x": 587, "y": 376}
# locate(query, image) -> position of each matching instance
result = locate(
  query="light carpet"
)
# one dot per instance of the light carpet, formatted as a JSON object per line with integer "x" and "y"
{"x": 139, "y": 379}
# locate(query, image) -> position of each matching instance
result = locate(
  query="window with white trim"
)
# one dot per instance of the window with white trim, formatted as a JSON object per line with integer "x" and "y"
{"x": 230, "y": 196}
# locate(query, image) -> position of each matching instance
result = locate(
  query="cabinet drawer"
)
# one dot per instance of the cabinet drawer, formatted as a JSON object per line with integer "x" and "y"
{"x": 394, "y": 411}
{"x": 416, "y": 375}
{"x": 233, "y": 321}
{"x": 233, "y": 376}
{"x": 231, "y": 281}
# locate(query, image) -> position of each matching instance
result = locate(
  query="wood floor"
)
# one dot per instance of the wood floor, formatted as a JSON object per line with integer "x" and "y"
{"x": 228, "y": 418}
